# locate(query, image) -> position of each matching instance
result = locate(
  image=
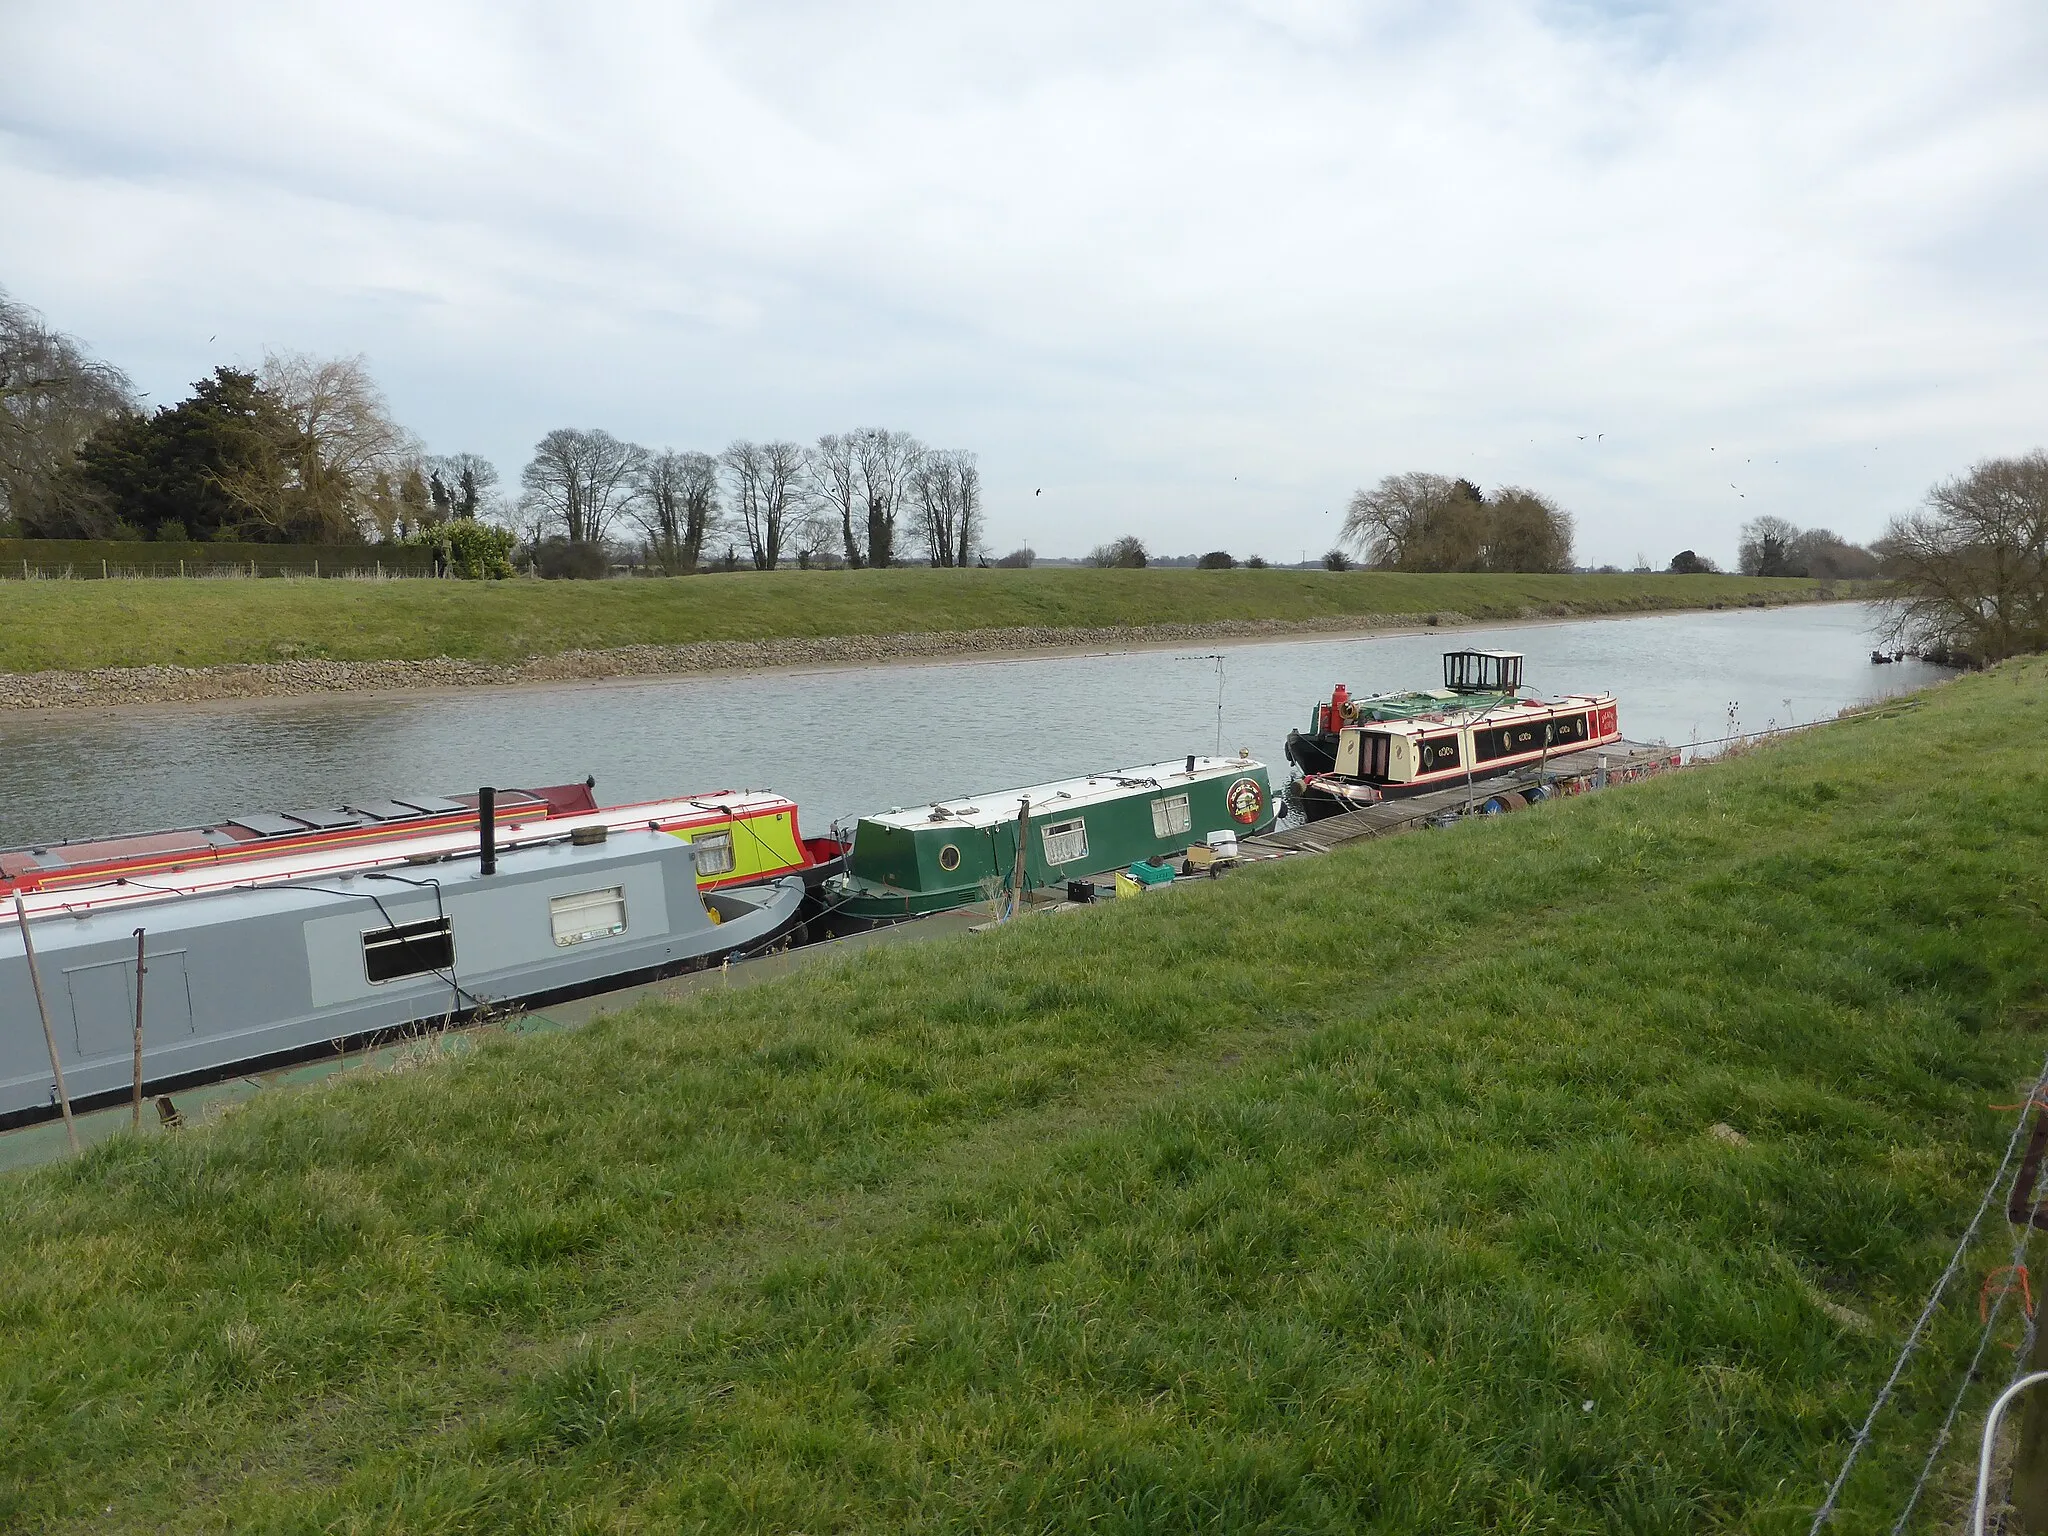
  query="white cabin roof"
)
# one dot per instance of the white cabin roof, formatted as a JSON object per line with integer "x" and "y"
{"x": 1061, "y": 795}
{"x": 1453, "y": 717}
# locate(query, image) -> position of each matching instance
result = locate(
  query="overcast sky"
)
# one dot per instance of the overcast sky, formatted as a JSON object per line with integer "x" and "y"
{"x": 1192, "y": 270}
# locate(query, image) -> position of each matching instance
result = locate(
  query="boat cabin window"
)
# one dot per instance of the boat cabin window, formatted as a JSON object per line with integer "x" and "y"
{"x": 1483, "y": 671}
{"x": 1065, "y": 841}
{"x": 1434, "y": 753}
{"x": 409, "y": 949}
{"x": 714, "y": 852}
{"x": 587, "y": 915}
{"x": 1170, "y": 815}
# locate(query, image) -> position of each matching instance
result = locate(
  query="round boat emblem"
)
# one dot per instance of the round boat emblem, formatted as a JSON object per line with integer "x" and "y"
{"x": 949, "y": 858}
{"x": 1246, "y": 799}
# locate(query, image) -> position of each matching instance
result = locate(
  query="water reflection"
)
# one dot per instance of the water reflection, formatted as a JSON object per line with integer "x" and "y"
{"x": 860, "y": 739}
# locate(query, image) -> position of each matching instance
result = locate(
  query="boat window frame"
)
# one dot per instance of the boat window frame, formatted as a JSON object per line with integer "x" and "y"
{"x": 1171, "y": 816}
{"x": 592, "y": 900}
{"x": 404, "y": 939}
{"x": 1058, "y": 834}
{"x": 715, "y": 842}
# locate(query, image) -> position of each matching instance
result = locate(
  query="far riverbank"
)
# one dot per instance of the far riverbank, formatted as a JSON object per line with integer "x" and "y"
{"x": 171, "y": 642}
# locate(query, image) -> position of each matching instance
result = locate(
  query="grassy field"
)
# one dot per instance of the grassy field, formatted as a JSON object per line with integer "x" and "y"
{"x": 80, "y": 624}
{"x": 1389, "y": 1191}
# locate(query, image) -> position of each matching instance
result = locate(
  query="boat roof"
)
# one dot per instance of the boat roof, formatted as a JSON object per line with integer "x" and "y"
{"x": 108, "y": 885}
{"x": 1050, "y": 800}
{"x": 1439, "y": 707}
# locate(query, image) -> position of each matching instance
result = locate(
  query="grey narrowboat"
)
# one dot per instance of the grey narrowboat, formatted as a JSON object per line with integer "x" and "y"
{"x": 260, "y": 974}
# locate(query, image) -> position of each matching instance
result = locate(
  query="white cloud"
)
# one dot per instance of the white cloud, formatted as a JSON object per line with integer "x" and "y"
{"x": 1197, "y": 270}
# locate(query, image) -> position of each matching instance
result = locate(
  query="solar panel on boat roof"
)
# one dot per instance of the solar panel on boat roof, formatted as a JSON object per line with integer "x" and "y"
{"x": 432, "y": 805}
{"x": 385, "y": 810}
{"x": 327, "y": 820}
{"x": 264, "y": 824}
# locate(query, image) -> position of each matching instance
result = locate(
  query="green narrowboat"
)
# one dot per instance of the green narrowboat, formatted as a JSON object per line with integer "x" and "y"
{"x": 907, "y": 863}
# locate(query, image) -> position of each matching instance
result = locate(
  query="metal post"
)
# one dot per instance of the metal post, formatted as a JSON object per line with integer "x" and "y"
{"x": 487, "y": 830}
{"x": 35, "y": 978}
{"x": 141, "y": 970}
{"x": 2032, "y": 1378}
{"x": 2030, "y": 1453}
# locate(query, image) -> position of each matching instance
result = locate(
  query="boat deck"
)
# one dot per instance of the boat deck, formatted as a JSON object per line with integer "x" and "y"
{"x": 1624, "y": 760}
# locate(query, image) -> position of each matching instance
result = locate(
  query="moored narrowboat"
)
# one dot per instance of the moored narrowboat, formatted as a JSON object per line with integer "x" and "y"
{"x": 907, "y": 863}
{"x": 741, "y": 837}
{"x": 1477, "y": 727}
{"x": 234, "y": 977}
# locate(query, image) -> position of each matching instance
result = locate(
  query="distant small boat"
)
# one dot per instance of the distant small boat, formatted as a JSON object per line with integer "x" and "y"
{"x": 907, "y": 863}
{"x": 1476, "y": 727}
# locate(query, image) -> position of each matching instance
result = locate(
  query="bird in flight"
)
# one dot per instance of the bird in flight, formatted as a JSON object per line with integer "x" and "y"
{"x": 1039, "y": 492}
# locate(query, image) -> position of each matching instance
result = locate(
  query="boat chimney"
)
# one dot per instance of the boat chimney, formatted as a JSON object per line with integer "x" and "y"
{"x": 487, "y": 830}
{"x": 1190, "y": 767}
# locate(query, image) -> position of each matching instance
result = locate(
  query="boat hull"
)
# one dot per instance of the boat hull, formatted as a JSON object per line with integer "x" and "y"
{"x": 251, "y": 975}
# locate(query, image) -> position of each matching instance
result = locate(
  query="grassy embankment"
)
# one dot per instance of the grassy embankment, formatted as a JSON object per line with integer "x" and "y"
{"x": 1377, "y": 1192}
{"x": 72, "y": 625}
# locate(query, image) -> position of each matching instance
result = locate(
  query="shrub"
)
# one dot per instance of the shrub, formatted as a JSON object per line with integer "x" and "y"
{"x": 1019, "y": 559}
{"x": 1126, "y": 553}
{"x": 1336, "y": 560}
{"x": 1217, "y": 560}
{"x": 1255, "y": 563}
{"x": 560, "y": 559}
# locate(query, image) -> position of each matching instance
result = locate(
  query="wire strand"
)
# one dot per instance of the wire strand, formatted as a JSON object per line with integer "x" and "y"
{"x": 1856, "y": 1447}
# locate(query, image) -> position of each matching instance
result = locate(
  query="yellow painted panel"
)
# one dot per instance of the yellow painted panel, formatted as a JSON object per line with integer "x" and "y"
{"x": 762, "y": 845}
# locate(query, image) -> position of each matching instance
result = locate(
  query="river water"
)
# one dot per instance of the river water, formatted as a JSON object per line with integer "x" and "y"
{"x": 846, "y": 741}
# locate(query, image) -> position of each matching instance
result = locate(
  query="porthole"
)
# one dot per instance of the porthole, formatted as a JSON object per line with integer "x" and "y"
{"x": 949, "y": 858}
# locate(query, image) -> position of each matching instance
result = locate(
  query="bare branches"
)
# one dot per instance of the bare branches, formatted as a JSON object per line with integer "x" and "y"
{"x": 1423, "y": 522}
{"x": 580, "y": 482}
{"x": 766, "y": 481}
{"x": 1971, "y": 571}
{"x": 676, "y": 506}
{"x": 834, "y": 491}
{"x": 53, "y": 397}
{"x": 946, "y": 486}
{"x": 885, "y": 462}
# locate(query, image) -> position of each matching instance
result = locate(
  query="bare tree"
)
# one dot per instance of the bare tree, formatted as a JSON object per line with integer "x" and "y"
{"x": 1398, "y": 524}
{"x": 52, "y": 398}
{"x": 834, "y": 490}
{"x": 1526, "y": 531}
{"x": 458, "y": 484}
{"x": 766, "y": 482}
{"x": 946, "y": 496}
{"x": 676, "y": 505}
{"x": 1126, "y": 553}
{"x": 580, "y": 482}
{"x": 1423, "y": 522}
{"x": 885, "y": 461}
{"x": 1766, "y": 547}
{"x": 318, "y": 482}
{"x": 1970, "y": 572}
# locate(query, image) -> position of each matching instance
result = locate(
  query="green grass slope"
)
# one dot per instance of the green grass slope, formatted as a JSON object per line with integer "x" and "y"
{"x": 62, "y": 625}
{"x": 1377, "y": 1192}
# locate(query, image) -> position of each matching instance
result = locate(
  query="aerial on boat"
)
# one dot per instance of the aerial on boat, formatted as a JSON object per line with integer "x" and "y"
{"x": 906, "y": 863}
{"x": 1477, "y": 726}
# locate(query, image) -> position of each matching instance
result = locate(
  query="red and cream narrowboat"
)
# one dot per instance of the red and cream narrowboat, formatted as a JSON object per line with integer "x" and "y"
{"x": 1479, "y": 726}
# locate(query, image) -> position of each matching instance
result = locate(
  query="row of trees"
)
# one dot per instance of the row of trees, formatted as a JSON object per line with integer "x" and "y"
{"x": 1773, "y": 546}
{"x": 1424, "y": 522}
{"x": 849, "y": 498}
{"x": 303, "y": 450}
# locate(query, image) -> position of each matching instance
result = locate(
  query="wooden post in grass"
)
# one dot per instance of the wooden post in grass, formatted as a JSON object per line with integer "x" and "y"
{"x": 2030, "y": 1450}
{"x": 141, "y": 969}
{"x": 35, "y": 979}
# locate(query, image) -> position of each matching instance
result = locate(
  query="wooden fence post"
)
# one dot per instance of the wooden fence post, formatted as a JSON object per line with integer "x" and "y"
{"x": 35, "y": 978}
{"x": 141, "y": 970}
